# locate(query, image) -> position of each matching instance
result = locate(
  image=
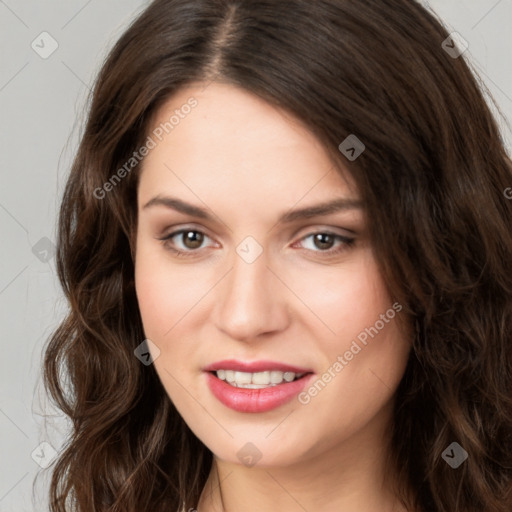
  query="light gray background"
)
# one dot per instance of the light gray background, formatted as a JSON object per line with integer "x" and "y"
{"x": 42, "y": 104}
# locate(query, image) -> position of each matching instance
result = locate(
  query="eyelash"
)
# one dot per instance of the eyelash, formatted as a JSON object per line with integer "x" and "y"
{"x": 346, "y": 243}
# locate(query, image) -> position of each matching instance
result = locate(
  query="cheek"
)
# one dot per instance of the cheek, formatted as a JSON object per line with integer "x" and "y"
{"x": 165, "y": 296}
{"x": 346, "y": 300}
{"x": 369, "y": 339}
{"x": 165, "y": 292}
{"x": 150, "y": 287}
{"x": 364, "y": 333}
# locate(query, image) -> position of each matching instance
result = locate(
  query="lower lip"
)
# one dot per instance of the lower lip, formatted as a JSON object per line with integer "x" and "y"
{"x": 255, "y": 400}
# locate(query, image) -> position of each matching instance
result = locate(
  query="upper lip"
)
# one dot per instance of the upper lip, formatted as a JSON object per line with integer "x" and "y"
{"x": 254, "y": 366}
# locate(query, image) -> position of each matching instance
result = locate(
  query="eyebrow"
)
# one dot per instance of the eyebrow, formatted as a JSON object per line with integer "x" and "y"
{"x": 317, "y": 210}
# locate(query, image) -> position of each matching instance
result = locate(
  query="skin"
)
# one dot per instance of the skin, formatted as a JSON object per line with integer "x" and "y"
{"x": 248, "y": 162}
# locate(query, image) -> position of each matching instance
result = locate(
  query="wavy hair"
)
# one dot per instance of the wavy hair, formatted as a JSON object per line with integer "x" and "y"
{"x": 432, "y": 178}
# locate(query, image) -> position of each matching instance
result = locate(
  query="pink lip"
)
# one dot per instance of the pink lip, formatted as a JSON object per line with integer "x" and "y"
{"x": 255, "y": 366}
{"x": 255, "y": 400}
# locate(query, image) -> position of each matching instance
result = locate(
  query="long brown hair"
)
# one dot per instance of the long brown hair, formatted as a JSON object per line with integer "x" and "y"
{"x": 432, "y": 178}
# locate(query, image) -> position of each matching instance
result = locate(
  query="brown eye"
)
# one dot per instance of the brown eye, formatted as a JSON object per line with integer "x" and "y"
{"x": 192, "y": 239}
{"x": 324, "y": 240}
{"x": 185, "y": 242}
{"x": 326, "y": 244}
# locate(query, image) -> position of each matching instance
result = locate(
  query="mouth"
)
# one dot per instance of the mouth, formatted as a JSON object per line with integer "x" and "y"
{"x": 255, "y": 387}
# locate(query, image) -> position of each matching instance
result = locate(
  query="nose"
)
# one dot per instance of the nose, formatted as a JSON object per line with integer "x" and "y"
{"x": 250, "y": 300}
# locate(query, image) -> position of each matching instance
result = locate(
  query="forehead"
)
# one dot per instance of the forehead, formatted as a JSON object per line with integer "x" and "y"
{"x": 219, "y": 137}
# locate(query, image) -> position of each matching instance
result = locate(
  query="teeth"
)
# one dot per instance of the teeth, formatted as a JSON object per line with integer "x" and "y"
{"x": 261, "y": 378}
{"x": 276, "y": 377}
{"x": 256, "y": 380}
{"x": 243, "y": 378}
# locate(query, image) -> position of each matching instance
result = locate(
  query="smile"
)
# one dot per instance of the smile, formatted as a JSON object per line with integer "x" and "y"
{"x": 255, "y": 387}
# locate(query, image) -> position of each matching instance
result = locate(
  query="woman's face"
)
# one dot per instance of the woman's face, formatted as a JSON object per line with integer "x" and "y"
{"x": 267, "y": 281}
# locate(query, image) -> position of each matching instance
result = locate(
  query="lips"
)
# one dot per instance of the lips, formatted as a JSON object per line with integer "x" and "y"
{"x": 255, "y": 400}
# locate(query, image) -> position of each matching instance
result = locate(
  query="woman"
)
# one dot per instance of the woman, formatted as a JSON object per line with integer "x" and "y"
{"x": 285, "y": 242}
